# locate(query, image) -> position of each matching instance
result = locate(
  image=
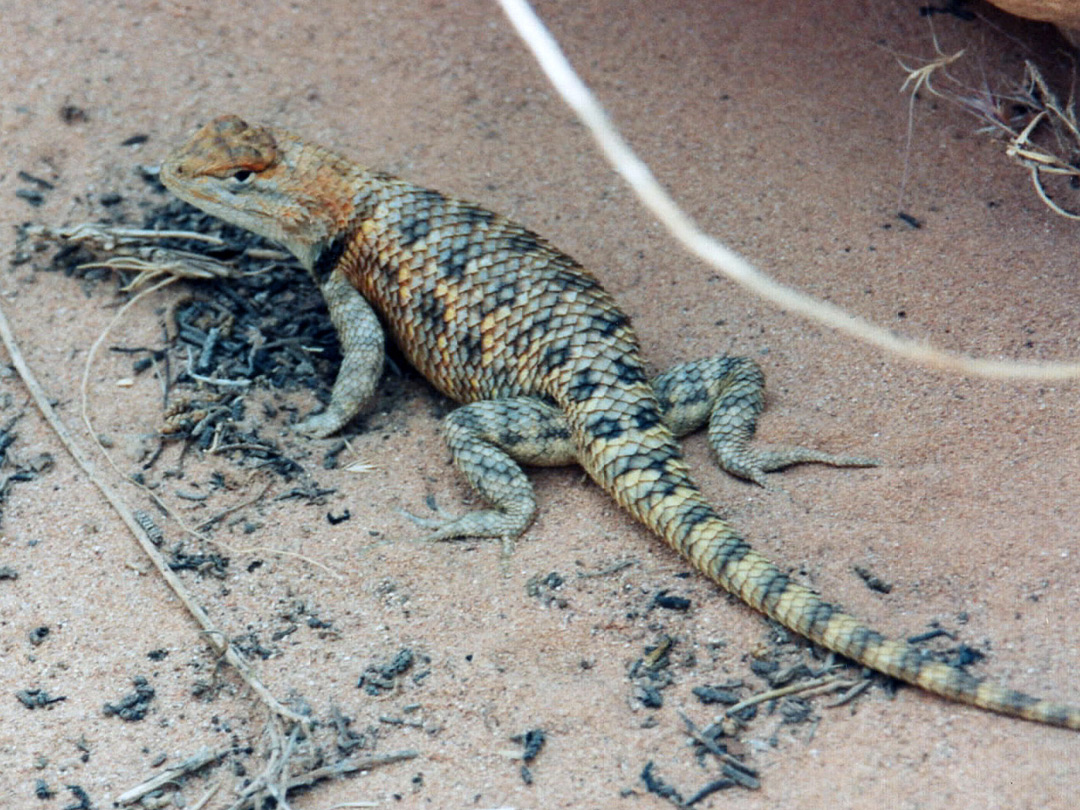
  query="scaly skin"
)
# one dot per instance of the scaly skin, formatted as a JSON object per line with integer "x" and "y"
{"x": 546, "y": 363}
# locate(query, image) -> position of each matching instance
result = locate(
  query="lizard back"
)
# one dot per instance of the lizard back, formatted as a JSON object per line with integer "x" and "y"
{"x": 482, "y": 306}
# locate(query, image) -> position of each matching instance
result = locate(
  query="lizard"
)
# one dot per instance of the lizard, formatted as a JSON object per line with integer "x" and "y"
{"x": 545, "y": 364}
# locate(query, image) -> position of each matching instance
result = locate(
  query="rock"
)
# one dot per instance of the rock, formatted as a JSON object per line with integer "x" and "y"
{"x": 1065, "y": 14}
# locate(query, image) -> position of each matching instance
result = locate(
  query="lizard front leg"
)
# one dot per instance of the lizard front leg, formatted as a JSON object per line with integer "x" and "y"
{"x": 489, "y": 441}
{"x": 728, "y": 393}
{"x": 362, "y": 352}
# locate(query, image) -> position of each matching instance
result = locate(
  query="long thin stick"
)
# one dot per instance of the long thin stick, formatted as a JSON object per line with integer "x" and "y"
{"x": 634, "y": 171}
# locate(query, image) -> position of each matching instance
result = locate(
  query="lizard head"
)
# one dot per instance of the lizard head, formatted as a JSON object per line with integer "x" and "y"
{"x": 264, "y": 180}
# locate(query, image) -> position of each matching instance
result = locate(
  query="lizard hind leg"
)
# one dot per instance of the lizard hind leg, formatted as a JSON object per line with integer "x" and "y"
{"x": 728, "y": 393}
{"x": 489, "y": 440}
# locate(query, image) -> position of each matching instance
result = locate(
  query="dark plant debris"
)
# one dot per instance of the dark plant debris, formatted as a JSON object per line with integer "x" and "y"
{"x": 663, "y": 599}
{"x": 265, "y": 328}
{"x": 37, "y": 698}
{"x": 82, "y": 799}
{"x": 133, "y": 706}
{"x": 347, "y": 739}
{"x": 533, "y": 741}
{"x": 654, "y": 784}
{"x": 42, "y": 790}
{"x": 378, "y": 679}
{"x": 873, "y": 582}
{"x": 650, "y": 673}
{"x": 724, "y": 693}
{"x": 212, "y": 564}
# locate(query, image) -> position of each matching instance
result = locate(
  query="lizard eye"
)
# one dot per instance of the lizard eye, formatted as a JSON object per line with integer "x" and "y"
{"x": 242, "y": 175}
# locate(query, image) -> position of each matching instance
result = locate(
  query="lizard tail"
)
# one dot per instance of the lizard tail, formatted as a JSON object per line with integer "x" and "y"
{"x": 630, "y": 454}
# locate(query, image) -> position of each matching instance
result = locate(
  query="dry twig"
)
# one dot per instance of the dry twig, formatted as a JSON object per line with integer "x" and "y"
{"x": 286, "y": 769}
{"x": 817, "y": 686}
{"x": 193, "y": 763}
{"x": 109, "y": 237}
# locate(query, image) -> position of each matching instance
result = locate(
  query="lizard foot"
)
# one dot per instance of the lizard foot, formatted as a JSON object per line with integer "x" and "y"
{"x": 487, "y": 524}
{"x": 320, "y": 425}
{"x": 753, "y": 464}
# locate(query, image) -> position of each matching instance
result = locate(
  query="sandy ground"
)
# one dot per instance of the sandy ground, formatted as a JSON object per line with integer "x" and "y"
{"x": 780, "y": 127}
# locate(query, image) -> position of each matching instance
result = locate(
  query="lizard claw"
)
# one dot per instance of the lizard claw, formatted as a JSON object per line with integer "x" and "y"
{"x": 444, "y": 519}
{"x": 319, "y": 425}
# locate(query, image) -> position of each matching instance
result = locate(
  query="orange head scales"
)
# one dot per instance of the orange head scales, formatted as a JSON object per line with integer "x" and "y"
{"x": 267, "y": 181}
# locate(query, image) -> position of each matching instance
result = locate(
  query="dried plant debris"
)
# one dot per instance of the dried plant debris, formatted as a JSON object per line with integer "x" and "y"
{"x": 162, "y": 789}
{"x": 790, "y": 678}
{"x": 650, "y": 674}
{"x": 958, "y": 655}
{"x": 1039, "y": 130}
{"x": 15, "y": 469}
{"x": 207, "y": 564}
{"x": 133, "y": 706}
{"x": 250, "y": 645}
{"x": 82, "y": 799}
{"x": 664, "y": 600}
{"x": 253, "y": 322}
{"x": 347, "y": 739}
{"x": 710, "y": 743}
{"x": 297, "y": 614}
{"x": 265, "y": 328}
{"x": 34, "y": 188}
{"x": 37, "y": 698}
{"x": 872, "y": 580}
{"x": 725, "y": 693}
{"x": 794, "y": 673}
{"x": 532, "y": 742}
{"x": 289, "y": 758}
{"x": 42, "y": 790}
{"x": 654, "y": 784}
{"x": 295, "y": 759}
{"x": 547, "y": 589}
{"x": 380, "y": 679}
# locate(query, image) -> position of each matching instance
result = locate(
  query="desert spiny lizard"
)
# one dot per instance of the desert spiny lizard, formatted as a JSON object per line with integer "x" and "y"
{"x": 546, "y": 365}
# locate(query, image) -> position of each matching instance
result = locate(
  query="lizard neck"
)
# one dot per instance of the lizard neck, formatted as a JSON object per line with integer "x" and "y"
{"x": 340, "y": 246}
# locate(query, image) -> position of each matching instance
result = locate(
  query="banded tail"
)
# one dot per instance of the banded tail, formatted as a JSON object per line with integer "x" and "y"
{"x": 640, "y": 465}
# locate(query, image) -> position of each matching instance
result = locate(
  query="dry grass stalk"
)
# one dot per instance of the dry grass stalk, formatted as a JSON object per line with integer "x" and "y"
{"x": 1033, "y": 110}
